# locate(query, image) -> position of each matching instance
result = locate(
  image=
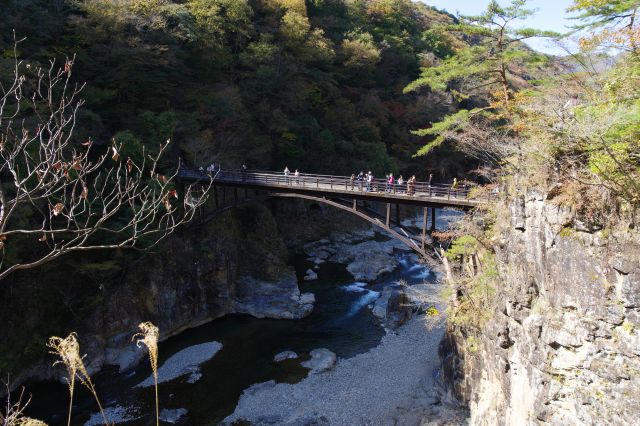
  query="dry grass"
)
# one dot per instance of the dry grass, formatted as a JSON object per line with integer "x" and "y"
{"x": 13, "y": 414}
{"x": 149, "y": 337}
{"x": 68, "y": 349}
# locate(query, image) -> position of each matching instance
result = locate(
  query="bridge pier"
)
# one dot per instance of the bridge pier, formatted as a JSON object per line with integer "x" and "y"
{"x": 433, "y": 219}
{"x": 388, "y": 213}
{"x": 424, "y": 227}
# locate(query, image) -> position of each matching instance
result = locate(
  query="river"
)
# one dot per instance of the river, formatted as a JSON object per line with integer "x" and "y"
{"x": 341, "y": 322}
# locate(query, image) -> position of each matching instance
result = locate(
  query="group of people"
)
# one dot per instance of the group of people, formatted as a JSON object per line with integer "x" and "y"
{"x": 367, "y": 182}
{"x": 211, "y": 169}
{"x": 399, "y": 185}
{"x": 287, "y": 176}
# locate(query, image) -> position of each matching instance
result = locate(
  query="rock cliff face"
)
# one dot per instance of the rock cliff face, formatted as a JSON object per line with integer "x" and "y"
{"x": 563, "y": 346}
{"x": 236, "y": 263}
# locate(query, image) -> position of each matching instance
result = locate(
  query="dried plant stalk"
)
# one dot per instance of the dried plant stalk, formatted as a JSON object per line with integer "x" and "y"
{"x": 68, "y": 349}
{"x": 149, "y": 338}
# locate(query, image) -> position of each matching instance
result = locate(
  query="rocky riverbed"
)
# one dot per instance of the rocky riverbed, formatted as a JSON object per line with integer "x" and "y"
{"x": 393, "y": 383}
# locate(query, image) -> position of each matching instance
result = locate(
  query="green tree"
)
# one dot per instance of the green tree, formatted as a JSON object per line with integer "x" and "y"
{"x": 494, "y": 62}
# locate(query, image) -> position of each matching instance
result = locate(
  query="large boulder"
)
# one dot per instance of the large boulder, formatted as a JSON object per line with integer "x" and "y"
{"x": 265, "y": 299}
{"x": 394, "y": 307}
{"x": 398, "y": 309}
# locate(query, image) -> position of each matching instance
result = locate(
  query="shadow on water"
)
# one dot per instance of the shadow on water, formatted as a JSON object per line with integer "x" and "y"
{"x": 340, "y": 322}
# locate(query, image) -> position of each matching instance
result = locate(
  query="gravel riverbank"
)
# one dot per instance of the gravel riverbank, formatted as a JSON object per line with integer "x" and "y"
{"x": 394, "y": 383}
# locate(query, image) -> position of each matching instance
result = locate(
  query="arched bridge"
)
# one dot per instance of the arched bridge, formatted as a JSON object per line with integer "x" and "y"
{"x": 344, "y": 193}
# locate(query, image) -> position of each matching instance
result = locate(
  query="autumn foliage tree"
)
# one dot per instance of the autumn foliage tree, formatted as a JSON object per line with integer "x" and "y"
{"x": 60, "y": 195}
{"x": 610, "y": 23}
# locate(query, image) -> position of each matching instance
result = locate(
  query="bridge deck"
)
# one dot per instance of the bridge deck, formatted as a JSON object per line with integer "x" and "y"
{"x": 420, "y": 193}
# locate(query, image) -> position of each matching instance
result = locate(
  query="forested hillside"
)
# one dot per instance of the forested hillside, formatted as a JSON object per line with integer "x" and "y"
{"x": 314, "y": 85}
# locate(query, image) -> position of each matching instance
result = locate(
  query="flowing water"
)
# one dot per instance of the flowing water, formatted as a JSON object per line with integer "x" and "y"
{"x": 341, "y": 322}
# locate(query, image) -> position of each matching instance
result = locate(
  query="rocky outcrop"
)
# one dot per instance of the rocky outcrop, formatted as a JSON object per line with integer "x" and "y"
{"x": 234, "y": 264}
{"x": 264, "y": 299}
{"x": 563, "y": 346}
{"x": 365, "y": 260}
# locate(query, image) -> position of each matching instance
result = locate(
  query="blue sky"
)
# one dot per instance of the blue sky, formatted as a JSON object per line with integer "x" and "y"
{"x": 551, "y": 15}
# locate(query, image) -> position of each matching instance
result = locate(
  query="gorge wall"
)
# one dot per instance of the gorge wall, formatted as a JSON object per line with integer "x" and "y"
{"x": 238, "y": 262}
{"x": 563, "y": 344}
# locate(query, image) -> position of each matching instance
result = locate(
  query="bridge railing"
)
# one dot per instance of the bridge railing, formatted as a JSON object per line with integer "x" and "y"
{"x": 318, "y": 181}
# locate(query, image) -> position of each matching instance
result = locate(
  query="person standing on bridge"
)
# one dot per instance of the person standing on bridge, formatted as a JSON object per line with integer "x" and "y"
{"x": 454, "y": 187}
{"x": 296, "y": 174}
{"x": 412, "y": 186}
{"x": 400, "y": 183}
{"x": 352, "y": 180}
{"x": 360, "y": 180}
{"x": 390, "y": 183}
{"x": 286, "y": 175}
{"x": 369, "y": 180}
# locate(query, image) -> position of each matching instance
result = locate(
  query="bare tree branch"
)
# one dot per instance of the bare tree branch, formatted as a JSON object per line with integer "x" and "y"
{"x": 57, "y": 195}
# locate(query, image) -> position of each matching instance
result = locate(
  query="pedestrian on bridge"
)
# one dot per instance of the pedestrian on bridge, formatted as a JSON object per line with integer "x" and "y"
{"x": 352, "y": 180}
{"x": 400, "y": 183}
{"x": 296, "y": 174}
{"x": 286, "y": 174}
{"x": 360, "y": 179}
{"x": 454, "y": 187}
{"x": 369, "y": 181}
{"x": 411, "y": 185}
{"x": 390, "y": 183}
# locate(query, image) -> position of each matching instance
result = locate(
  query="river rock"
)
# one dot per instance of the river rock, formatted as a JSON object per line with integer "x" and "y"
{"x": 184, "y": 362}
{"x": 280, "y": 300}
{"x": 172, "y": 416}
{"x": 114, "y": 415}
{"x": 380, "y": 306}
{"x": 321, "y": 360}
{"x": 393, "y": 307}
{"x": 365, "y": 260}
{"x": 310, "y": 275}
{"x": 398, "y": 309}
{"x": 285, "y": 355}
{"x": 122, "y": 353}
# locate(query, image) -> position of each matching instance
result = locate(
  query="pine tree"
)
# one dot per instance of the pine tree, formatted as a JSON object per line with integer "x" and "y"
{"x": 492, "y": 61}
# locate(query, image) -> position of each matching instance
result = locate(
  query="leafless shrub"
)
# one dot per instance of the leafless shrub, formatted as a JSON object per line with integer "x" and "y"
{"x": 56, "y": 194}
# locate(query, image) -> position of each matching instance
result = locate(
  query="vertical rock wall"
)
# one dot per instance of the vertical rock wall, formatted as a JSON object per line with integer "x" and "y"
{"x": 563, "y": 346}
{"x": 236, "y": 263}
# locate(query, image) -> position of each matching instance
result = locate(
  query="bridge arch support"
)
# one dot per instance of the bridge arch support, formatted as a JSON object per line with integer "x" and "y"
{"x": 405, "y": 239}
